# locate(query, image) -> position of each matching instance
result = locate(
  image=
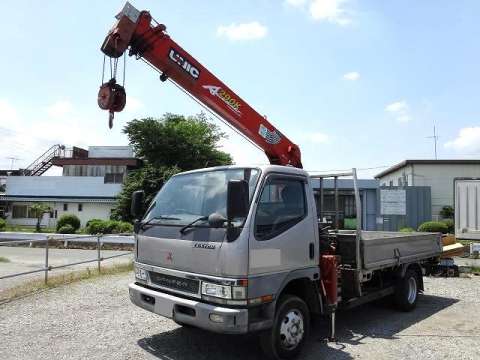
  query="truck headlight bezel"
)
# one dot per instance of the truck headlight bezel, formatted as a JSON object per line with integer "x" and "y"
{"x": 216, "y": 290}
{"x": 225, "y": 294}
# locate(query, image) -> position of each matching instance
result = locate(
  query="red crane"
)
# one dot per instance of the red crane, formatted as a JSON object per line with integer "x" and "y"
{"x": 145, "y": 38}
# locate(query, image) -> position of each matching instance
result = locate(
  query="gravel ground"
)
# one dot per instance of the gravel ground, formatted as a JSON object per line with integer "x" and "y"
{"x": 94, "y": 319}
{"x": 27, "y": 259}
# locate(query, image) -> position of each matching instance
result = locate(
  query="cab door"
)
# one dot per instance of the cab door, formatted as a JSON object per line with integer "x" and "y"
{"x": 283, "y": 235}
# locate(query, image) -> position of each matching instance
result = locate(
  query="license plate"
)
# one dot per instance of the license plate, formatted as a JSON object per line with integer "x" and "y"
{"x": 174, "y": 282}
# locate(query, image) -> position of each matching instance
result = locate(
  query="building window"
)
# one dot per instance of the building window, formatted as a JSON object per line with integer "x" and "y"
{"x": 80, "y": 207}
{"x": 19, "y": 211}
{"x": 56, "y": 214}
{"x": 391, "y": 182}
{"x": 65, "y": 207}
{"x": 113, "y": 178}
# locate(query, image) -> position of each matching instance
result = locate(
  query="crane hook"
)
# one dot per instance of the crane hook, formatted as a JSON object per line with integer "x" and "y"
{"x": 111, "y": 97}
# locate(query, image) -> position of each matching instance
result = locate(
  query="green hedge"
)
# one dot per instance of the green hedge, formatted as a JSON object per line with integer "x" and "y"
{"x": 433, "y": 226}
{"x": 68, "y": 219}
{"x": 3, "y": 224}
{"x": 407, "y": 230}
{"x": 97, "y": 226}
{"x": 450, "y": 225}
{"x": 66, "y": 229}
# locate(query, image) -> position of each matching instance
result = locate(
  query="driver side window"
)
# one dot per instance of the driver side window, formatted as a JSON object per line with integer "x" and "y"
{"x": 282, "y": 204}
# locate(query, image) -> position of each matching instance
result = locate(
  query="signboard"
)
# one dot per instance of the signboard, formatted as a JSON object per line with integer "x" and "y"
{"x": 393, "y": 202}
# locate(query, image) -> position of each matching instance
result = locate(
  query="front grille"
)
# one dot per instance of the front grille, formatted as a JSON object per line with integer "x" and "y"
{"x": 174, "y": 282}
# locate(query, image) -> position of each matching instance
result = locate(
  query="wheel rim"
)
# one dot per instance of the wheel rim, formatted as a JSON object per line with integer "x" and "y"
{"x": 292, "y": 329}
{"x": 412, "y": 290}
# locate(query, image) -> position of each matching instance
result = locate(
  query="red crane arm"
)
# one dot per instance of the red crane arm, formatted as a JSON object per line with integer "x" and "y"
{"x": 136, "y": 30}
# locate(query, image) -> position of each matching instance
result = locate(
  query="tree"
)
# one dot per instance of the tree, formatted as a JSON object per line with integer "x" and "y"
{"x": 168, "y": 145}
{"x": 175, "y": 140}
{"x": 447, "y": 212}
{"x": 38, "y": 210}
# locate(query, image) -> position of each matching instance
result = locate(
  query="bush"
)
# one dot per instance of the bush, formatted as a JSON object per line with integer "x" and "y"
{"x": 433, "y": 226}
{"x": 96, "y": 226}
{"x": 3, "y": 225}
{"x": 68, "y": 219}
{"x": 407, "y": 230}
{"x": 92, "y": 221}
{"x": 450, "y": 225}
{"x": 447, "y": 212}
{"x": 66, "y": 229}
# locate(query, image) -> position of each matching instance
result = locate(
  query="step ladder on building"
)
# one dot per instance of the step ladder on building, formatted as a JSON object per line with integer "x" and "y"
{"x": 44, "y": 162}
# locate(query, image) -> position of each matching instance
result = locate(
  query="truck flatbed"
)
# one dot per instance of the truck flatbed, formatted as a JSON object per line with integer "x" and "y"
{"x": 379, "y": 249}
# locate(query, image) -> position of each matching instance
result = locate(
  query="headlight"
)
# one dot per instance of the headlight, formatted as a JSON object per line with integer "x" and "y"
{"x": 140, "y": 274}
{"x": 216, "y": 290}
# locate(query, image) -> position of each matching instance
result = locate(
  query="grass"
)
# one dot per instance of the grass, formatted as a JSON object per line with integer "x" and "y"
{"x": 38, "y": 285}
{"x": 475, "y": 269}
{"x": 27, "y": 229}
{"x": 4, "y": 259}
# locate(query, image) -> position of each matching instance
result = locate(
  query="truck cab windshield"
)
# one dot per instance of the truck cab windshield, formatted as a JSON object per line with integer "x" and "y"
{"x": 186, "y": 197}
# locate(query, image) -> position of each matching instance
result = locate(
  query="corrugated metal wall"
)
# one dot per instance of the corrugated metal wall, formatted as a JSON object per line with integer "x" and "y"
{"x": 400, "y": 207}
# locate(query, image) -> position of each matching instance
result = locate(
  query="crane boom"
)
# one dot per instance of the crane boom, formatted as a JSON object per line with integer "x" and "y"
{"x": 137, "y": 31}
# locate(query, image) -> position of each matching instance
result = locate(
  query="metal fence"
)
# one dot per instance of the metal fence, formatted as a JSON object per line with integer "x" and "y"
{"x": 46, "y": 268}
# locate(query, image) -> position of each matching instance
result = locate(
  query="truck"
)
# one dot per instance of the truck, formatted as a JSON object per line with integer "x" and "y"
{"x": 244, "y": 249}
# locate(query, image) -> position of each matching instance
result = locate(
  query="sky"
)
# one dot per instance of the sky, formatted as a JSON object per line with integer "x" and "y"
{"x": 353, "y": 83}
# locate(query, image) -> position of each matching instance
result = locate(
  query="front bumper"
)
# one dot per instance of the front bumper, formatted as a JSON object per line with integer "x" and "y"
{"x": 190, "y": 312}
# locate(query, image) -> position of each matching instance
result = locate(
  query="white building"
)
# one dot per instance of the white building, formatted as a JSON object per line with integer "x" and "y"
{"x": 89, "y": 186}
{"x": 438, "y": 174}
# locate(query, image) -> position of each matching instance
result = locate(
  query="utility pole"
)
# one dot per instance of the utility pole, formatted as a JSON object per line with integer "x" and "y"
{"x": 435, "y": 139}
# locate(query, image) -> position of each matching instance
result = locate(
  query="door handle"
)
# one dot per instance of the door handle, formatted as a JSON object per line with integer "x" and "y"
{"x": 311, "y": 250}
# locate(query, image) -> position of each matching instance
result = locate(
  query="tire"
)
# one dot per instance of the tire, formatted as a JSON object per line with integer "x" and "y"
{"x": 406, "y": 292}
{"x": 290, "y": 329}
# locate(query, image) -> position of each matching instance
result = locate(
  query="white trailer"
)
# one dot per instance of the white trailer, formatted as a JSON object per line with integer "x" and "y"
{"x": 467, "y": 208}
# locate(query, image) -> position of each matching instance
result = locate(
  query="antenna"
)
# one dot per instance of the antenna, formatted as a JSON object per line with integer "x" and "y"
{"x": 435, "y": 139}
{"x": 12, "y": 161}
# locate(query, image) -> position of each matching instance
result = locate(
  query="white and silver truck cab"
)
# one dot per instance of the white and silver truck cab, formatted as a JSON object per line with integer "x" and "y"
{"x": 239, "y": 249}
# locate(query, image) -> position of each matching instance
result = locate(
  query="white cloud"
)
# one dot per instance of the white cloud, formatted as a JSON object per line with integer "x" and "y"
{"x": 26, "y": 137}
{"x": 404, "y": 118}
{"x": 59, "y": 109}
{"x": 468, "y": 139}
{"x": 8, "y": 114}
{"x": 329, "y": 10}
{"x": 352, "y": 76}
{"x": 332, "y": 11}
{"x": 400, "y": 110}
{"x": 396, "y": 107}
{"x": 318, "y": 138}
{"x": 133, "y": 104}
{"x": 246, "y": 31}
{"x": 296, "y": 3}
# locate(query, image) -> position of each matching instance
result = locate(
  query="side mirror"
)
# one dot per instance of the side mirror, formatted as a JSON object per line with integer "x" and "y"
{"x": 136, "y": 207}
{"x": 237, "y": 199}
{"x": 216, "y": 220}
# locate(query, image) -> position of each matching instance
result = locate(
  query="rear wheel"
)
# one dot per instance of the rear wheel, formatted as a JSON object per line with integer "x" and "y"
{"x": 406, "y": 292}
{"x": 290, "y": 329}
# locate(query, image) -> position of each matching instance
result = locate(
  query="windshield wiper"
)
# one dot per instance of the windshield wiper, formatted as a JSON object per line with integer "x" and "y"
{"x": 149, "y": 221}
{"x": 202, "y": 218}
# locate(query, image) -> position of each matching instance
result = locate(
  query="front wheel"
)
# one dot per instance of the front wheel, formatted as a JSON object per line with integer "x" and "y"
{"x": 406, "y": 292}
{"x": 290, "y": 329}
